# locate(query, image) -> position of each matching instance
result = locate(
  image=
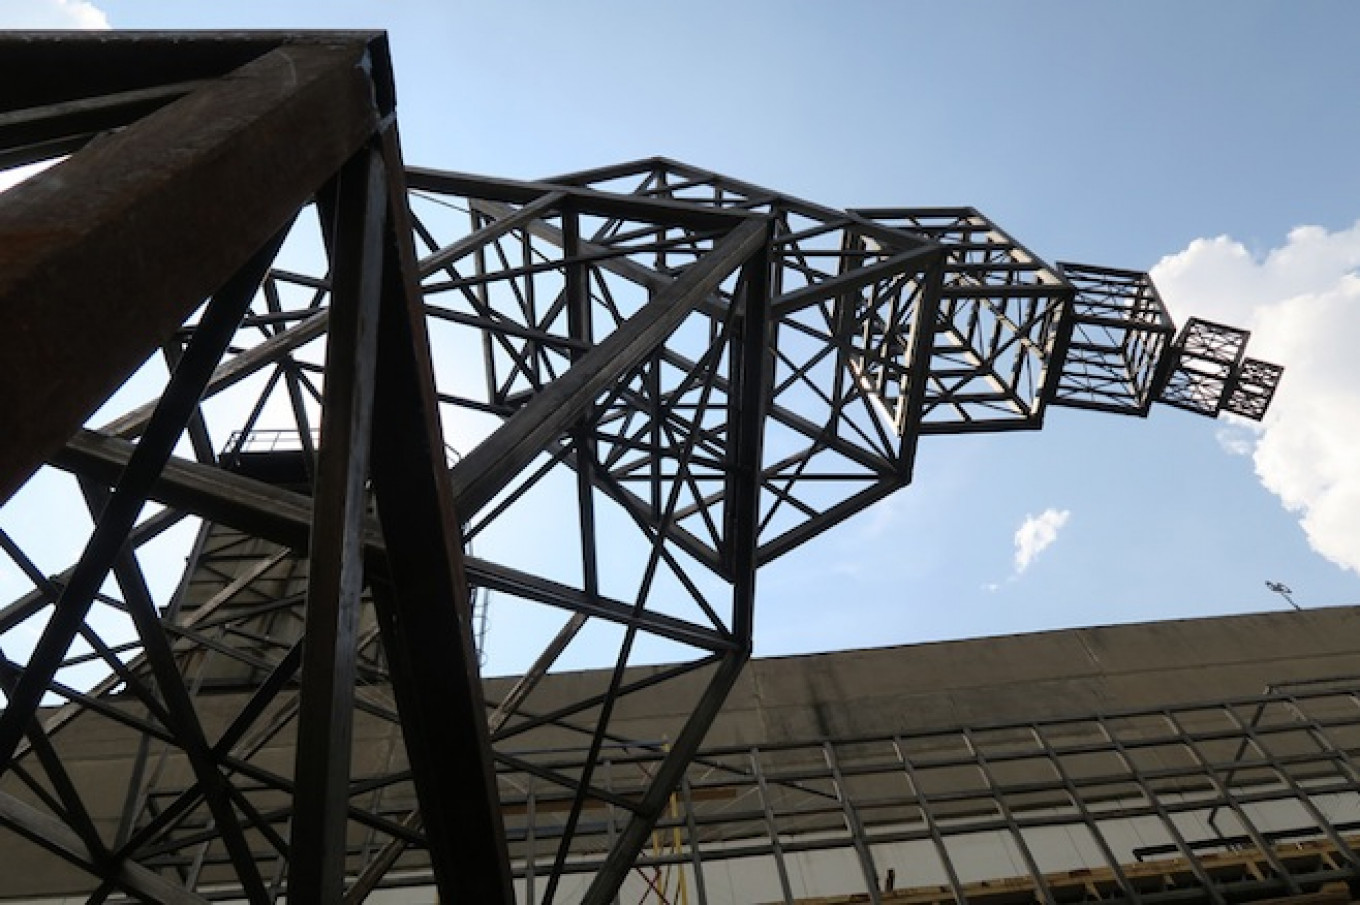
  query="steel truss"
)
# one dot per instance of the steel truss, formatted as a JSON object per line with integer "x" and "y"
{"x": 671, "y": 376}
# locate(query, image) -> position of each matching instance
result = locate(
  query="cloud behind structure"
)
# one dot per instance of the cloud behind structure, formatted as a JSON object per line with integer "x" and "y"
{"x": 1302, "y": 302}
{"x": 54, "y": 14}
{"x": 1036, "y": 534}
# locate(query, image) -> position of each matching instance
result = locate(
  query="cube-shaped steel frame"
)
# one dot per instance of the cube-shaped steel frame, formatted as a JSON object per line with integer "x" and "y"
{"x": 1120, "y": 334}
{"x": 1205, "y": 361}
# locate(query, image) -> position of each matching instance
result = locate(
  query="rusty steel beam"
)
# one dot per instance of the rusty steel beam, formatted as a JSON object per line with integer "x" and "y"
{"x": 58, "y": 838}
{"x": 421, "y": 597}
{"x": 316, "y": 867}
{"x": 149, "y": 219}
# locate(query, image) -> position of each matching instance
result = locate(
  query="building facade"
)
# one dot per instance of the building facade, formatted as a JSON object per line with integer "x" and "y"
{"x": 1208, "y": 760}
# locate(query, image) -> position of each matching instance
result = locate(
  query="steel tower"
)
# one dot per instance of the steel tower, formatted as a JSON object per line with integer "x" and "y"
{"x": 659, "y": 378}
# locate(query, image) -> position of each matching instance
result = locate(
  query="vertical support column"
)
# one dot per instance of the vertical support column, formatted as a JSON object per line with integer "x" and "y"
{"x": 581, "y": 328}
{"x": 752, "y": 375}
{"x": 853, "y": 825}
{"x": 611, "y": 829}
{"x": 336, "y": 577}
{"x": 420, "y": 591}
{"x": 1126, "y": 888}
{"x": 700, "y": 890}
{"x": 932, "y": 823}
{"x": 1258, "y": 839}
{"x": 530, "y": 843}
{"x": 1212, "y": 891}
{"x": 771, "y": 827}
{"x": 1008, "y": 816}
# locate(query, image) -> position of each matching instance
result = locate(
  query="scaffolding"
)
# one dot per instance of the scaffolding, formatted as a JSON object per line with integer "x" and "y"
{"x": 1250, "y": 799}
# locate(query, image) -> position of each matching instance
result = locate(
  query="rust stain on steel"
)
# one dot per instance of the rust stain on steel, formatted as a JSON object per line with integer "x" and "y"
{"x": 103, "y": 256}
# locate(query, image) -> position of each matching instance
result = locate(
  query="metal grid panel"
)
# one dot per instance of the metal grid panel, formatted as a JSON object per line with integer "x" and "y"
{"x": 1242, "y": 800}
{"x": 1206, "y": 357}
{"x": 849, "y": 298}
{"x": 1120, "y": 332}
{"x": 1002, "y": 324}
{"x": 1253, "y": 389}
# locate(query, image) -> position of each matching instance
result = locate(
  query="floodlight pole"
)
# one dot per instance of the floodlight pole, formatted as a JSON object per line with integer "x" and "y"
{"x": 1284, "y": 591}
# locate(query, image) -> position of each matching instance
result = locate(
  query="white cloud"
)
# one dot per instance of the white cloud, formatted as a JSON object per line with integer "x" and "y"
{"x": 55, "y": 14}
{"x": 1302, "y": 303}
{"x": 1036, "y": 534}
{"x": 1236, "y": 440}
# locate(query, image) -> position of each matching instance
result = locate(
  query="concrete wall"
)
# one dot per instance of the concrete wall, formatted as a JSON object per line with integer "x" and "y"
{"x": 1012, "y": 677}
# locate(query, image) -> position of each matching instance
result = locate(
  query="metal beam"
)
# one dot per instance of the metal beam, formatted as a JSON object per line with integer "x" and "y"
{"x": 233, "y": 370}
{"x": 751, "y": 380}
{"x": 316, "y": 863}
{"x": 421, "y": 598}
{"x": 283, "y": 516}
{"x": 109, "y": 540}
{"x": 120, "y": 227}
{"x": 491, "y": 465}
{"x": 661, "y": 211}
{"x": 58, "y": 838}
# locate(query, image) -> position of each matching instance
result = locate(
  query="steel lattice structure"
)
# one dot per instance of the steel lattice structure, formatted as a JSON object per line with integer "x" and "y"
{"x": 684, "y": 375}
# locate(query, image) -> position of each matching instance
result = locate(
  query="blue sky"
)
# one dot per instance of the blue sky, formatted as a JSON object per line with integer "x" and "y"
{"x": 1194, "y": 138}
